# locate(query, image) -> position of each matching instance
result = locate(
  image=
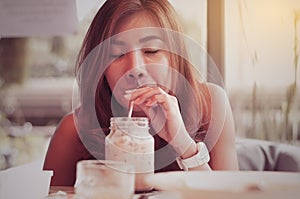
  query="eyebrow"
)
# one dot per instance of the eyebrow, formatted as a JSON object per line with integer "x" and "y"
{"x": 148, "y": 38}
{"x": 142, "y": 40}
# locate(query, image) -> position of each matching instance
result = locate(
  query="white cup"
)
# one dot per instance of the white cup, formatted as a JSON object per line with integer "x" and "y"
{"x": 104, "y": 179}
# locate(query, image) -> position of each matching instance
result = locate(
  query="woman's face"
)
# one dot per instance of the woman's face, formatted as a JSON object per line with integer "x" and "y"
{"x": 138, "y": 56}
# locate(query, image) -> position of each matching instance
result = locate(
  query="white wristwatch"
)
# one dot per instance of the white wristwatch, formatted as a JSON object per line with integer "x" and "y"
{"x": 199, "y": 159}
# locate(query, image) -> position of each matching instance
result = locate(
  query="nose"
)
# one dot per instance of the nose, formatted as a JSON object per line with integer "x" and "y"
{"x": 136, "y": 65}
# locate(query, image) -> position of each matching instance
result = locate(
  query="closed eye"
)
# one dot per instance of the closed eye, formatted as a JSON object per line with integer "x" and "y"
{"x": 151, "y": 51}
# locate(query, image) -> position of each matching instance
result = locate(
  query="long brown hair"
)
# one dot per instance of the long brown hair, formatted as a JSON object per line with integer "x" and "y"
{"x": 102, "y": 27}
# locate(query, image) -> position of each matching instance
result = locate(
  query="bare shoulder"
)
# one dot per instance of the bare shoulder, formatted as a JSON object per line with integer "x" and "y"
{"x": 218, "y": 96}
{"x": 68, "y": 119}
{"x": 216, "y": 90}
{"x": 220, "y": 111}
{"x": 67, "y": 126}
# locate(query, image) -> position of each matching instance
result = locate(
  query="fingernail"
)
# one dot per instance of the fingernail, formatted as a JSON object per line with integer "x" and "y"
{"x": 138, "y": 101}
{"x": 149, "y": 103}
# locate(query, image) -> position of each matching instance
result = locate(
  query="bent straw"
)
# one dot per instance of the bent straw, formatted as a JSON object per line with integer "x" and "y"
{"x": 130, "y": 109}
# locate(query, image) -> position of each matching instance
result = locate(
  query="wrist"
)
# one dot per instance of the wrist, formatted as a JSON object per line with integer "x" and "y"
{"x": 190, "y": 151}
{"x": 184, "y": 145}
{"x": 198, "y": 160}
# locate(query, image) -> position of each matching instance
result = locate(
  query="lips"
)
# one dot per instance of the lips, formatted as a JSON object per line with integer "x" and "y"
{"x": 128, "y": 93}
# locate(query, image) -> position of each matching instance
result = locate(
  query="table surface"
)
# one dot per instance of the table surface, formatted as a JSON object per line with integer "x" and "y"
{"x": 69, "y": 192}
{"x": 213, "y": 185}
{"x": 66, "y": 189}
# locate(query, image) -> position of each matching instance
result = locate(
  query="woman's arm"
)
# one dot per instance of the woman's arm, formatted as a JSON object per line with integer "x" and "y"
{"x": 223, "y": 151}
{"x": 220, "y": 138}
{"x": 220, "y": 135}
{"x": 64, "y": 151}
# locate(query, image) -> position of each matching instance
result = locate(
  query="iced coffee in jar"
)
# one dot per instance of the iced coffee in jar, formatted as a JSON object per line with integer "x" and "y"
{"x": 129, "y": 141}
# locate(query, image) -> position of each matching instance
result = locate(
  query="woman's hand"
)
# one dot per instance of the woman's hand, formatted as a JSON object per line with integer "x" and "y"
{"x": 163, "y": 111}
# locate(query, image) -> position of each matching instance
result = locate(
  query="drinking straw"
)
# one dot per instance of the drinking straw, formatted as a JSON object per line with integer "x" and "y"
{"x": 130, "y": 109}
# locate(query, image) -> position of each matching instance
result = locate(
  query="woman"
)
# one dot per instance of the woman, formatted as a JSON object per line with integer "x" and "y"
{"x": 135, "y": 47}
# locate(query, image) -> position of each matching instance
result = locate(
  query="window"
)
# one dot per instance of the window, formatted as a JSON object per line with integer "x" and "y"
{"x": 262, "y": 75}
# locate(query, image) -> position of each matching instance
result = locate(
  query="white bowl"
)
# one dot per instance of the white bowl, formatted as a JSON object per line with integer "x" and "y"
{"x": 24, "y": 182}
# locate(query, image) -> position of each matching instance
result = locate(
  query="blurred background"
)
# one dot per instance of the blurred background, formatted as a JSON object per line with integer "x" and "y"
{"x": 254, "y": 43}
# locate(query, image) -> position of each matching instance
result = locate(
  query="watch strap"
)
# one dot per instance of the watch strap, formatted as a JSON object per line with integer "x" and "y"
{"x": 200, "y": 158}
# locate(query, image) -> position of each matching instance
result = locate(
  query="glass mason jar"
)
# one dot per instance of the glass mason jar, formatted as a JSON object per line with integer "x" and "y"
{"x": 129, "y": 141}
{"x": 104, "y": 179}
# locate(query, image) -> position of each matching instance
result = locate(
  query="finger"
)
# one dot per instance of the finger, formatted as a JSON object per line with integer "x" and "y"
{"x": 144, "y": 95}
{"x": 160, "y": 98}
{"x": 156, "y": 99}
{"x": 156, "y": 117}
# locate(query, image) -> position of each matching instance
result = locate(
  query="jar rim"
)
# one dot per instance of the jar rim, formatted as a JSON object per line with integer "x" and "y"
{"x": 124, "y": 121}
{"x": 112, "y": 164}
{"x": 129, "y": 119}
{"x": 133, "y": 124}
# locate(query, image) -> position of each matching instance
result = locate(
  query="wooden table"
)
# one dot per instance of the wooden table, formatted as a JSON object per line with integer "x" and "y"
{"x": 217, "y": 184}
{"x": 66, "y": 189}
{"x": 63, "y": 190}
{"x": 69, "y": 192}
